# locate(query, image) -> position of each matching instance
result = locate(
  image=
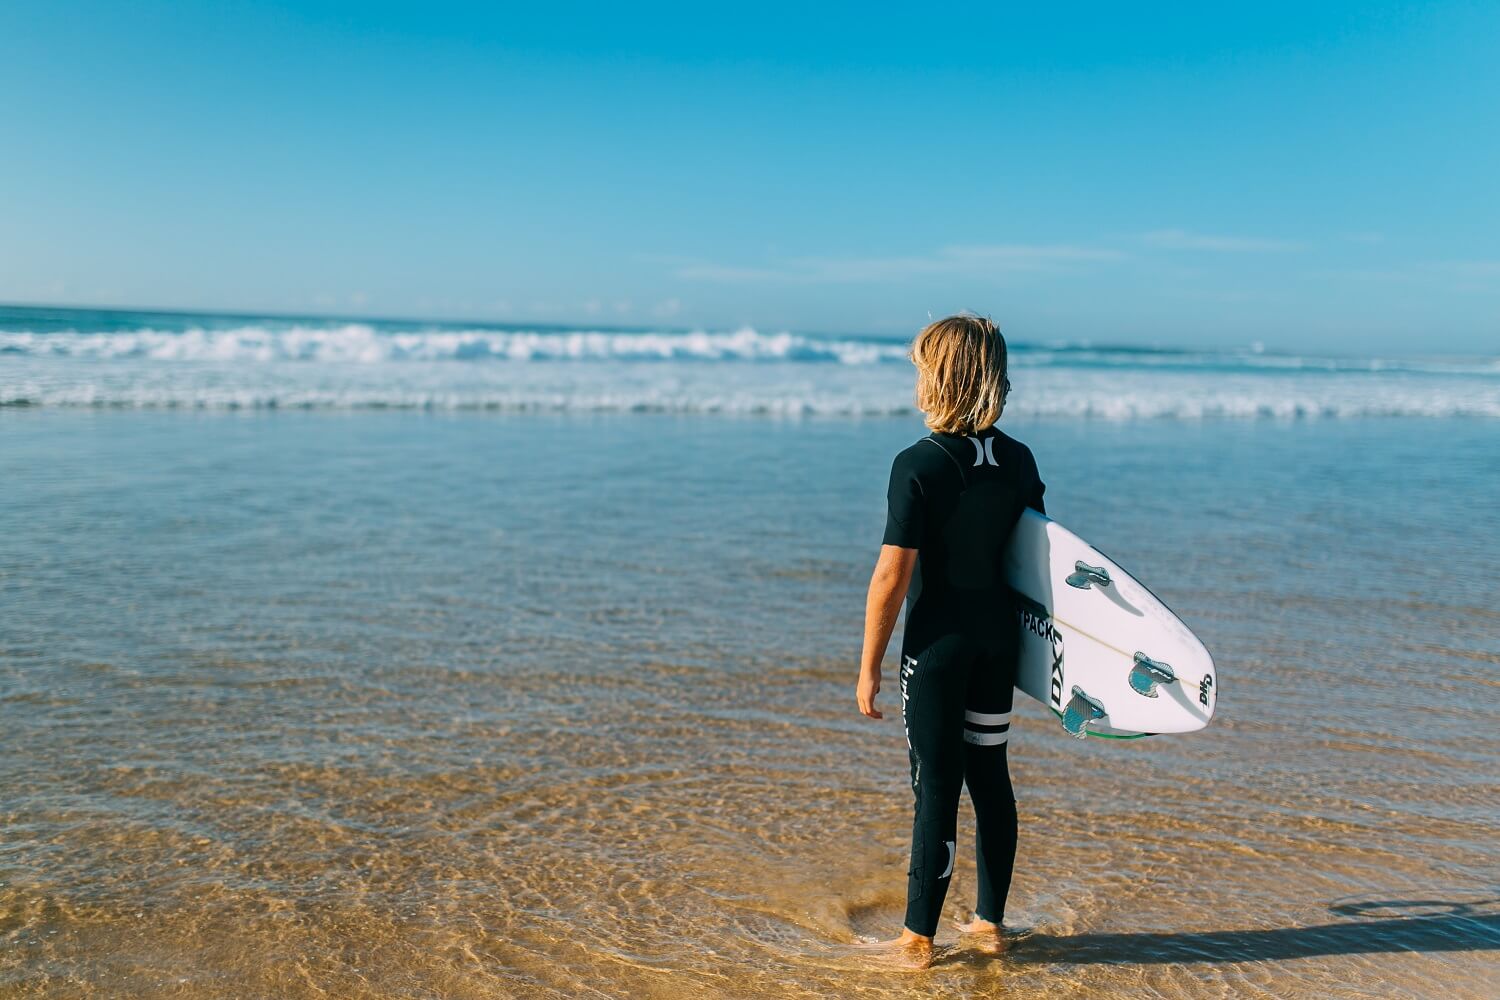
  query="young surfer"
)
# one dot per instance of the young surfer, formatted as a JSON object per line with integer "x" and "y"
{"x": 954, "y": 498}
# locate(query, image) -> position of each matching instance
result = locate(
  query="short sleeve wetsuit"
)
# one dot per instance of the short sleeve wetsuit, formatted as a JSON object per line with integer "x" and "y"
{"x": 956, "y": 499}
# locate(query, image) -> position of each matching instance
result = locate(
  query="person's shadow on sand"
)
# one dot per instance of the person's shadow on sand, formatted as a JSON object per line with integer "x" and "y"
{"x": 1438, "y": 925}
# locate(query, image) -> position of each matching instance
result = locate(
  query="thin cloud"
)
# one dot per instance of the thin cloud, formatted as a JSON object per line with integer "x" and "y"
{"x": 1470, "y": 277}
{"x": 721, "y": 272}
{"x": 1458, "y": 275}
{"x": 1467, "y": 268}
{"x": 1375, "y": 274}
{"x": 1031, "y": 253}
{"x": 1181, "y": 239}
{"x": 974, "y": 259}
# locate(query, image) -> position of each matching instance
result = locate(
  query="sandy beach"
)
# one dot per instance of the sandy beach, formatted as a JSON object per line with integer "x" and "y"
{"x": 374, "y": 704}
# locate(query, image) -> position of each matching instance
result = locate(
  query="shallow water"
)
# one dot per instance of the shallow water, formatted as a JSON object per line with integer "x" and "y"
{"x": 402, "y": 704}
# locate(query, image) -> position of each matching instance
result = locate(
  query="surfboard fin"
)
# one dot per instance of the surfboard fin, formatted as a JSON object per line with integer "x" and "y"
{"x": 1147, "y": 673}
{"x": 1080, "y": 712}
{"x": 1085, "y": 576}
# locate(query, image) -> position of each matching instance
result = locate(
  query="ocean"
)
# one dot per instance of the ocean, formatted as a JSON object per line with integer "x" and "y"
{"x": 376, "y": 659}
{"x": 110, "y": 359}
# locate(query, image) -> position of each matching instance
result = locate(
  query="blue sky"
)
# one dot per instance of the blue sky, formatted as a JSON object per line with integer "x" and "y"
{"x": 1310, "y": 176}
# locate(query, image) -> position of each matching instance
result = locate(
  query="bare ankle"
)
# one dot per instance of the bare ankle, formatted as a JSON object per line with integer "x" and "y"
{"x": 909, "y": 951}
{"x": 978, "y": 924}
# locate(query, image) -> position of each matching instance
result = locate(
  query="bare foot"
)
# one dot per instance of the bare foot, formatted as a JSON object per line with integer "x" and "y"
{"x": 909, "y": 951}
{"x": 988, "y": 937}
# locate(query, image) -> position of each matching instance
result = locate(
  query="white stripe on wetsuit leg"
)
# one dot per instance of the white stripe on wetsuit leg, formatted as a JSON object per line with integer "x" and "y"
{"x": 985, "y": 739}
{"x": 987, "y": 718}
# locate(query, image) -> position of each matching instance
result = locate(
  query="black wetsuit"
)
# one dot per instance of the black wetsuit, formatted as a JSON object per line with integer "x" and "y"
{"x": 955, "y": 499}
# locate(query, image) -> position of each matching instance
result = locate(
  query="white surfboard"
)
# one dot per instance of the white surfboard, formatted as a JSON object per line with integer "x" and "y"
{"x": 1098, "y": 648}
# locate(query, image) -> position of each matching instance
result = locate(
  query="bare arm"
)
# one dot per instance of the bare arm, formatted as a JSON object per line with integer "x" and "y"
{"x": 887, "y": 590}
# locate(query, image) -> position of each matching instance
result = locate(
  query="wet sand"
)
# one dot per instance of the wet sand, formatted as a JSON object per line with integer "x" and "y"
{"x": 393, "y": 705}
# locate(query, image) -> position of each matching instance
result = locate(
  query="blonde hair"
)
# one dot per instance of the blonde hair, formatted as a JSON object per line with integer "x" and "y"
{"x": 961, "y": 373}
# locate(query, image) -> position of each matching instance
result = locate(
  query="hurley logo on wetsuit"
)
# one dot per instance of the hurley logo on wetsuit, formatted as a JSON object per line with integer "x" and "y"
{"x": 984, "y": 451}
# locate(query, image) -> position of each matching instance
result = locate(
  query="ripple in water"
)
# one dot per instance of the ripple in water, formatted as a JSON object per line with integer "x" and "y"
{"x": 308, "y": 705}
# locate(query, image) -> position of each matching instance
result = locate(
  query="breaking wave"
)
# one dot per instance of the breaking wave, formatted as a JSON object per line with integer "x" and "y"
{"x": 112, "y": 360}
{"x": 365, "y": 344}
{"x": 786, "y": 389}
{"x": 378, "y": 343}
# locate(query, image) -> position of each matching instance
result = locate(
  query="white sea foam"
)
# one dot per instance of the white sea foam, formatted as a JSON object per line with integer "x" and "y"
{"x": 776, "y": 387}
{"x": 214, "y": 363}
{"x": 351, "y": 343}
{"x": 365, "y": 344}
